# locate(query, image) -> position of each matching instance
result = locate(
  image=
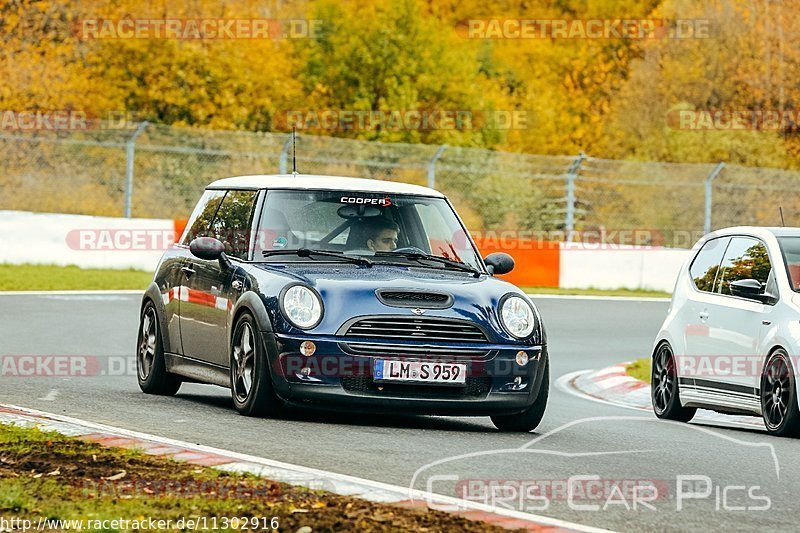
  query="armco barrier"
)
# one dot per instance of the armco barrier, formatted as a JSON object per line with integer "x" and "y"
{"x": 108, "y": 242}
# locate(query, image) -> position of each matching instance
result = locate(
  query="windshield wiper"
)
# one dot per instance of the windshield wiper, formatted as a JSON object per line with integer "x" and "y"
{"x": 306, "y": 252}
{"x": 418, "y": 257}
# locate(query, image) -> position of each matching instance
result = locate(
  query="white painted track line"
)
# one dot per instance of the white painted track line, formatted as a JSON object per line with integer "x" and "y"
{"x": 384, "y": 490}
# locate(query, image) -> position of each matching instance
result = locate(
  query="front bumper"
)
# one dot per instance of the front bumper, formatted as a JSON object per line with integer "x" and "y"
{"x": 337, "y": 377}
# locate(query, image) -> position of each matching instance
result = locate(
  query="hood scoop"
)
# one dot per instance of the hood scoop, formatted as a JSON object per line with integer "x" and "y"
{"x": 414, "y": 298}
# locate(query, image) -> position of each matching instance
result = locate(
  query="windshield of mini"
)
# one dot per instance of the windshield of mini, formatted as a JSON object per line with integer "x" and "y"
{"x": 375, "y": 225}
{"x": 790, "y": 246}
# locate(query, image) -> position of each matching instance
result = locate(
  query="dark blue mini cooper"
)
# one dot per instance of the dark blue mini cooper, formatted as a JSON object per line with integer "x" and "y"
{"x": 341, "y": 293}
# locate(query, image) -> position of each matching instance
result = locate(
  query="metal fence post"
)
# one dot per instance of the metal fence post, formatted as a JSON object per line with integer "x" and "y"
{"x": 283, "y": 165}
{"x": 572, "y": 174}
{"x": 432, "y": 166}
{"x": 709, "y": 179}
{"x": 129, "y": 152}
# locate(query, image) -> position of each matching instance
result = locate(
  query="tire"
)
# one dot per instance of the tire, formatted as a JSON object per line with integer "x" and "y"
{"x": 251, "y": 383}
{"x": 151, "y": 369}
{"x": 664, "y": 392}
{"x": 779, "y": 396}
{"x": 529, "y": 419}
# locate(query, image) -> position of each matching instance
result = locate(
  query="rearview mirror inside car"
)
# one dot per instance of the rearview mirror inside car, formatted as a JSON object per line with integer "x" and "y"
{"x": 358, "y": 211}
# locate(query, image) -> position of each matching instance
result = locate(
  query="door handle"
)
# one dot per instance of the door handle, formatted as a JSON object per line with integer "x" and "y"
{"x": 188, "y": 270}
{"x": 704, "y": 315}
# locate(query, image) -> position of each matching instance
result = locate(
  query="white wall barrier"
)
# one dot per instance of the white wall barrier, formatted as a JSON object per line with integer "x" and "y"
{"x": 85, "y": 241}
{"x": 587, "y": 266}
{"x": 110, "y": 242}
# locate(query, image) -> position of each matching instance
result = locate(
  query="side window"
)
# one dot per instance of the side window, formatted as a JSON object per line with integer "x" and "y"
{"x": 232, "y": 223}
{"x": 745, "y": 258}
{"x": 706, "y": 264}
{"x": 202, "y": 216}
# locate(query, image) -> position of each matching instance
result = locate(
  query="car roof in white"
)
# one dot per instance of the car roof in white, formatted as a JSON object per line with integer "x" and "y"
{"x": 757, "y": 231}
{"x": 316, "y": 182}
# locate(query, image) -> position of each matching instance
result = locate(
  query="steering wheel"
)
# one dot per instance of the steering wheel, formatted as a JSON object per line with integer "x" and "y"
{"x": 410, "y": 250}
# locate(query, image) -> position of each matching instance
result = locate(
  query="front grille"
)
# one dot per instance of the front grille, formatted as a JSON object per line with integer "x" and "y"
{"x": 475, "y": 387}
{"x": 408, "y": 349}
{"x": 428, "y": 300}
{"x": 416, "y": 329}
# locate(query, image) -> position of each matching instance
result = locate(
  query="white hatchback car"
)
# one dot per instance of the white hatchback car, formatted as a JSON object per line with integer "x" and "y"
{"x": 732, "y": 334}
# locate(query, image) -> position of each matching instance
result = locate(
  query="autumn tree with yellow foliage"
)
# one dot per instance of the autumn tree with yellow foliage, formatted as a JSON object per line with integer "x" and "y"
{"x": 607, "y": 97}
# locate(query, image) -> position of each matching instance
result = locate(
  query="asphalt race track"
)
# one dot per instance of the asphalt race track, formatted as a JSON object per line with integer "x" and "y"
{"x": 742, "y": 479}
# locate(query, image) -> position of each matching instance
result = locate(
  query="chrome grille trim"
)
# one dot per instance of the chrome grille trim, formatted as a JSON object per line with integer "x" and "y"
{"x": 405, "y": 349}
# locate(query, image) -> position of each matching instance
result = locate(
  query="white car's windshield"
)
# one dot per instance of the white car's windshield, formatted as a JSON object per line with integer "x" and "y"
{"x": 380, "y": 226}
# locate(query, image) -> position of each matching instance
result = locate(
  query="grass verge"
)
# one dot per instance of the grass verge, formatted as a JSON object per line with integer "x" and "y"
{"x": 44, "y": 474}
{"x": 65, "y": 278}
{"x": 639, "y": 369}
{"x": 597, "y": 292}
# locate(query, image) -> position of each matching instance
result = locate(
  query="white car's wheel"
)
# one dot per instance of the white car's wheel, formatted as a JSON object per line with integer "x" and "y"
{"x": 664, "y": 391}
{"x": 779, "y": 396}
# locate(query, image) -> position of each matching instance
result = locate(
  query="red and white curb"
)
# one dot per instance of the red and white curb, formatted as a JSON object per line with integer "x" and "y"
{"x": 293, "y": 474}
{"x": 613, "y": 385}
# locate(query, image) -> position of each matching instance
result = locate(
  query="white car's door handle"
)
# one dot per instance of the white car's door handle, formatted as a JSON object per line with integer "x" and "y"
{"x": 704, "y": 315}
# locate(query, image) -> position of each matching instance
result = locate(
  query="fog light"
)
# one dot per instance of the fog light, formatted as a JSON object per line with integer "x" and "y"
{"x": 517, "y": 381}
{"x": 305, "y": 372}
{"x": 522, "y": 358}
{"x": 308, "y": 348}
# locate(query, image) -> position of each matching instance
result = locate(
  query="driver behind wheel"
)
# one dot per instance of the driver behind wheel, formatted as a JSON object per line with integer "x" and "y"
{"x": 382, "y": 235}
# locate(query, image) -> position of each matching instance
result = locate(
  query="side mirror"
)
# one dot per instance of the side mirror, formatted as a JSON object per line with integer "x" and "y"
{"x": 750, "y": 289}
{"x": 209, "y": 248}
{"x": 499, "y": 263}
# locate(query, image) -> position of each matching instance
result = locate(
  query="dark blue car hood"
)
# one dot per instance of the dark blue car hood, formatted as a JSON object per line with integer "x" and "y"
{"x": 348, "y": 290}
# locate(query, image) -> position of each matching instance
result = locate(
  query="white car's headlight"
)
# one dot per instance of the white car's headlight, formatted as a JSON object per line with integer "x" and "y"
{"x": 302, "y": 307}
{"x": 517, "y": 316}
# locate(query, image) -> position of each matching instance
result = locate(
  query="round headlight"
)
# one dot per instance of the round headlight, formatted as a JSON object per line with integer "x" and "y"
{"x": 302, "y": 307}
{"x": 517, "y": 317}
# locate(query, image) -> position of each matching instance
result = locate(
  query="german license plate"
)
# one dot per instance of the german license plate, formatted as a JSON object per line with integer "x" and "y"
{"x": 419, "y": 372}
